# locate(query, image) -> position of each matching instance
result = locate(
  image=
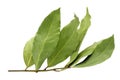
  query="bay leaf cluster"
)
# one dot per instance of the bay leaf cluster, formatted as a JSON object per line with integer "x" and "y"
{"x": 57, "y": 45}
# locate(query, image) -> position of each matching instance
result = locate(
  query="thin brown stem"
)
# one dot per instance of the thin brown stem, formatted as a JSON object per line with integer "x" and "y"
{"x": 55, "y": 69}
{"x": 26, "y": 68}
{"x": 46, "y": 68}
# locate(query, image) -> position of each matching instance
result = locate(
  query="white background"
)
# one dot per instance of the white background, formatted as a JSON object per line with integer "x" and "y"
{"x": 20, "y": 19}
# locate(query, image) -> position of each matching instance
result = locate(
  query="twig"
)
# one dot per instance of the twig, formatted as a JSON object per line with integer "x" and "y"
{"x": 45, "y": 70}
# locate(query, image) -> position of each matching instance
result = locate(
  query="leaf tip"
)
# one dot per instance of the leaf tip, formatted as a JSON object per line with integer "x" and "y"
{"x": 58, "y": 9}
{"x": 113, "y": 35}
{"x": 76, "y": 17}
{"x": 87, "y": 12}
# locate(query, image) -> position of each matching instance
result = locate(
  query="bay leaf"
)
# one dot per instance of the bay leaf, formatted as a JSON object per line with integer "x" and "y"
{"x": 84, "y": 26}
{"x": 102, "y": 52}
{"x": 86, "y": 52}
{"x": 27, "y": 53}
{"x": 67, "y": 43}
{"x": 46, "y": 38}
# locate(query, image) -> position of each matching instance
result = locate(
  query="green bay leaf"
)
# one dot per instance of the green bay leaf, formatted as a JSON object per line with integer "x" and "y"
{"x": 67, "y": 43}
{"x": 86, "y": 52}
{"x": 27, "y": 53}
{"x": 72, "y": 59}
{"x": 84, "y": 26}
{"x": 46, "y": 38}
{"x": 102, "y": 52}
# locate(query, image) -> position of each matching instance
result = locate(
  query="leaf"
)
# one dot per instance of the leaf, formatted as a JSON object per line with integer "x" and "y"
{"x": 85, "y": 24}
{"x": 102, "y": 52}
{"x": 67, "y": 43}
{"x": 72, "y": 58}
{"x": 86, "y": 52}
{"x": 27, "y": 53}
{"x": 46, "y": 38}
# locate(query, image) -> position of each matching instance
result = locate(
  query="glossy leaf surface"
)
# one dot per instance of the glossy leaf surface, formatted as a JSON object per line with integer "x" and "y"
{"x": 27, "y": 53}
{"x": 67, "y": 43}
{"x": 46, "y": 38}
{"x": 102, "y": 52}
